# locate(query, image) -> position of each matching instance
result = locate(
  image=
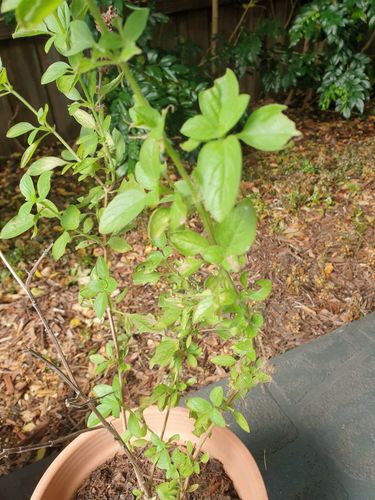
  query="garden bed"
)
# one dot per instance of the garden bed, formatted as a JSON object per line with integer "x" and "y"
{"x": 315, "y": 241}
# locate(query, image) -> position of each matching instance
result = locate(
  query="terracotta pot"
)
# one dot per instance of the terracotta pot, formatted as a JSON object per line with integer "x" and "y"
{"x": 90, "y": 450}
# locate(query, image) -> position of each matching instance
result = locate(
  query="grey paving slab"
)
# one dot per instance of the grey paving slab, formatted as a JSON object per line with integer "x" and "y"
{"x": 312, "y": 427}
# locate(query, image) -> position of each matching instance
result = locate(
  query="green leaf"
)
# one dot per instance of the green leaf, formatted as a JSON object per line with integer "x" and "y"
{"x": 265, "y": 288}
{"x": 189, "y": 266}
{"x": 214, "y": 254}
{"x": 218, "y": 174}
{"x": 47, "y": 209}
{"x": 27, "y": 187}
{"x": 178, "y": 212}
{"x": 54, "y": 72}
{"x": 19, "y": 129}
{"x": 199, "y": 128}
{"x": 143, "y": 278}
{"x": 16, "y": 226}
{"x": 198, "y": 405}
{"x": 101, "y": 390}
{"x": 241, "y": 420}
{"x": 45, "y": 164}
{"x": 217, "y": 418}
{"x": 236, "y": 233}
{"x": 7, "y": 6}
{"x": 268, "y": 129}
{"x": 101, "y": 268}
{"x": 135, "y": 427}
{"x": 223, "y": 360}
{"x": 81, "y": 37}
{"x": 188, "y": 242}
{"x": 190, "y": 145}
{"x": 59, "y": 246}
{"x": 118, "y": 244}
{"x": 147, "y": 170}
{"x": 217, "y": 395}
{"x": 158, "y": 224}
{"x": 204, "y": 308}
{"x": 28, "y": 153}
{"x": 44, "y": 185}
{"x": 97, "y": 359}
{"x": 121, "y": 210}
{"x": 221, "y": 106}
{"x": 32, "y": 12}
{"x": 164, "y": 352}
{"x": 84, "y": 119}
{"x": 104, "y": 409}
{"x": 100, "y": 304}
{"x": 70, "y": 218}
{"x": 135, "y": 24}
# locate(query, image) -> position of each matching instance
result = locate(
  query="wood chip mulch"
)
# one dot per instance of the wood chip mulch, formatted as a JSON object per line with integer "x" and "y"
{"x": 315, "y": 240}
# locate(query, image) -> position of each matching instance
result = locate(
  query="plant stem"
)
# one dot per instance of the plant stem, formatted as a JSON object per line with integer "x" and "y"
{"x": 48, "y": 444}
{"x": 119, "y": 371}
{"x": 50, "y": 128}
{"x": 175, "y": 157}
{"x": 73, "y": 382}
{"x": 231, "y": 397}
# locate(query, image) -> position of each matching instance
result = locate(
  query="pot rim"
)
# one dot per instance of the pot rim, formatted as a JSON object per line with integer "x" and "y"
{"x": 235, "y": 450}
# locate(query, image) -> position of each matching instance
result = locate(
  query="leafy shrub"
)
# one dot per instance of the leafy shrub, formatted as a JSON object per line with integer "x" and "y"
{"x": 226, "y": 301}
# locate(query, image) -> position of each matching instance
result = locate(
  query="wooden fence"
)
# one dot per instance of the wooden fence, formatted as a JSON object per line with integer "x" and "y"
{"x": 26, "y": 60}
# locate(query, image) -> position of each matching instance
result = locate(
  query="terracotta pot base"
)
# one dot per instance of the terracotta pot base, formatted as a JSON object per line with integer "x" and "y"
{"x": 90, "y": 450}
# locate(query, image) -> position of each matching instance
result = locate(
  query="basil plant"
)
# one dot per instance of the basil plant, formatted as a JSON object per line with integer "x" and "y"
{"x": 207, "y": 286}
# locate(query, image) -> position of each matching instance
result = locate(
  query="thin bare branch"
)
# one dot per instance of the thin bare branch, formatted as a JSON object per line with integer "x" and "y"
{"x": 36, "y": 265}
{"x": 48, "y": 444}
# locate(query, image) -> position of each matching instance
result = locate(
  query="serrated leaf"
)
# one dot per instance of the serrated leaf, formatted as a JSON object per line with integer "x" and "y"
{"x": 268, "y": 129}
{"x": 218, "y": 174}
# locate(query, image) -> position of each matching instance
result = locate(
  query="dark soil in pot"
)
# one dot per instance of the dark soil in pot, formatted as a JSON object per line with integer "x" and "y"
{"x": 115, "y": 480}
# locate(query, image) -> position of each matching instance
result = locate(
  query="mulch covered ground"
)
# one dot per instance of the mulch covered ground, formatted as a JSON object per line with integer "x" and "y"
{"x": 316, "y": 241}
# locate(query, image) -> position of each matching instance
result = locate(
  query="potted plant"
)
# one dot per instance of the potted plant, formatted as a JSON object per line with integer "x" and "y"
{"x": 206, "y": 285}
